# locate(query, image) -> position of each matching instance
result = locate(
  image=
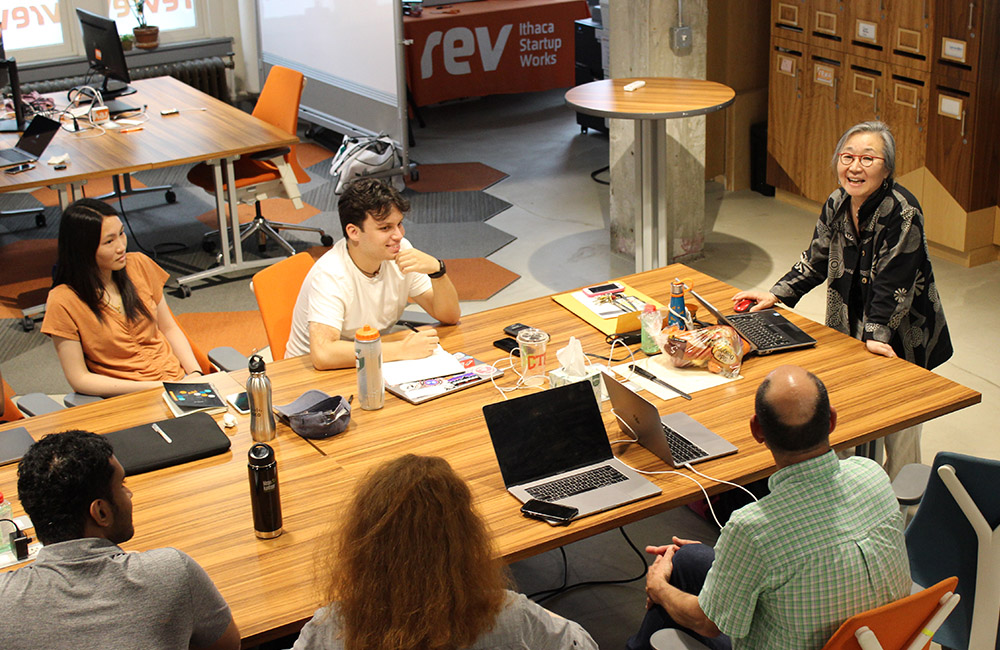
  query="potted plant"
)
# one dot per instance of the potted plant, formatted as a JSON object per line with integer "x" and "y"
{"x": 127, "y": 41}
{"x": 146, "y": 37}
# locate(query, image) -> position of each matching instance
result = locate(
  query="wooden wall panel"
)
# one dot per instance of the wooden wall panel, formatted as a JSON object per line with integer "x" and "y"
{"x": 825, "y": 113}
{"x": 786, "y": 162}
{"x": 906, "y": 107}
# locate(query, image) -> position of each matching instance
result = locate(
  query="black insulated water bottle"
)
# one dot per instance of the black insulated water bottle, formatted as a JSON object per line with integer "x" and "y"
{"x": 264, "y": 496}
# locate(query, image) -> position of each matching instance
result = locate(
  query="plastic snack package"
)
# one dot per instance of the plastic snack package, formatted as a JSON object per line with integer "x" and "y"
{"x": 718, "y": 348}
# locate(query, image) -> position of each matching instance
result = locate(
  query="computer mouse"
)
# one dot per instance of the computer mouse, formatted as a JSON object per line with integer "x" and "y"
{"x": 743, "y": 305}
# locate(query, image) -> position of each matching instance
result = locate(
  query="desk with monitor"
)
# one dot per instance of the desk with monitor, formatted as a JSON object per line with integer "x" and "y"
{"x": 220, "y": 134}
{"x": 203, "y": 507}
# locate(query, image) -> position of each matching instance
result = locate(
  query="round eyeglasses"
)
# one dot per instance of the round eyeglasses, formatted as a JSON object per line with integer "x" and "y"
{"x": 847, "y": 159}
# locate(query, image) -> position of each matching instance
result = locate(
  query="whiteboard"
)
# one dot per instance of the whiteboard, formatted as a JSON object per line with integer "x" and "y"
{"x": 348, "y": 51}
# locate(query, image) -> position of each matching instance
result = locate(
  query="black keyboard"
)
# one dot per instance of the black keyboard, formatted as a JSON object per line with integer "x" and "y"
{"x": 682, "y": 450}
{"x": 759, "y": 333}
{"x": 576, "y": 484}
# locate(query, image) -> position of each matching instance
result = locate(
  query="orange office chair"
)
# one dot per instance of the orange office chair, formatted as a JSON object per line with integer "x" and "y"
{"x": 276, "y": 289}
{"x": 271, "y": 173}
{"x": 905, "y": 624}
{"x": 9, "y": 412}
{"x": 27, "y": 405}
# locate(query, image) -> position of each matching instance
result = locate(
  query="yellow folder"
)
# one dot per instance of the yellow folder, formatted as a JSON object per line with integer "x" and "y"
{"x": 624, "y": 323}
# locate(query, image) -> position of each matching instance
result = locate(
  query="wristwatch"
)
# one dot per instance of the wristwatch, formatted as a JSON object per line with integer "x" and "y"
{"x": 440, "y": 272}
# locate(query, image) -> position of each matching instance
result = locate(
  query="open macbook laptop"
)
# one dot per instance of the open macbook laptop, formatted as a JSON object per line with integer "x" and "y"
{"x": 767, "y": 331}
{"x": 36, "y": 137}
{"x": 677, "y": 438}
{"x": 552, "y": 446}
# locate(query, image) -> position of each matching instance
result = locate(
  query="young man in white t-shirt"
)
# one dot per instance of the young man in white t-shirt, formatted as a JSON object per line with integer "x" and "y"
{"x": 366, "y": 279}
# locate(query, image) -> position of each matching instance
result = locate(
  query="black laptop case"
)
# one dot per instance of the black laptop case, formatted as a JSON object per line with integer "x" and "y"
{"x": 141, "y": 449}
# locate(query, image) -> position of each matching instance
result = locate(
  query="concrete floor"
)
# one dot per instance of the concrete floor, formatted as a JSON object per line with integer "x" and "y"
{"x": 560, "y": 217}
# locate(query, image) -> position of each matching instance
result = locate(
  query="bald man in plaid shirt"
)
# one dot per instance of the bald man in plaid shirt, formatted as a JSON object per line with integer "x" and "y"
{"x": 825, "y": 544}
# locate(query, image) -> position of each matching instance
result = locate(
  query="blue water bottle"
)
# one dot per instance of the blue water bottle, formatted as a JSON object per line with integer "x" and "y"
{"x": 678, "y": 311}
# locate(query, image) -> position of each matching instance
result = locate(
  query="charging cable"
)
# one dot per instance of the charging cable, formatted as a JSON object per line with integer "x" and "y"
{"x": 708, "y": 500}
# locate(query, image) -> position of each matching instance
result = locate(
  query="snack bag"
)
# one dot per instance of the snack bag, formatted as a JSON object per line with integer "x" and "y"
{"x": 718, "y": 348}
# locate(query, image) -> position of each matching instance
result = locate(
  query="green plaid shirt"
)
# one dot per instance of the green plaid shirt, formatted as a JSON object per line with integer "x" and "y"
{"x": 825, "y": 544}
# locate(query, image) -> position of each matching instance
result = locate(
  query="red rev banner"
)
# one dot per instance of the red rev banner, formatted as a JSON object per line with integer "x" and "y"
{"x": 491, "y": 47}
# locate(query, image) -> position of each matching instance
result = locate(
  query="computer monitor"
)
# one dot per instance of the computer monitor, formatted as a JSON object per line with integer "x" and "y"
{"x": 106, "y": 57}
{"x": 8, "y": 75}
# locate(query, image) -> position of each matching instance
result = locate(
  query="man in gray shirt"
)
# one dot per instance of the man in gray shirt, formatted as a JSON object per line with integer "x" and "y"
{"x": 83, "y": 590}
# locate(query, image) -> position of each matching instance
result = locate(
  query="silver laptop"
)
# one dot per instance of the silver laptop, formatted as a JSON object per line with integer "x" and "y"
{"x": 767, "y": 331}
{"x": 36, "y": 137}
{"x": 677, "y": 438}
{"x": 552, "y": 446}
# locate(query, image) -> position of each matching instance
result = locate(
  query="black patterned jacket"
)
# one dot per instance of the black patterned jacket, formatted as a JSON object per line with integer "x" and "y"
{"x": 880, "y": 286}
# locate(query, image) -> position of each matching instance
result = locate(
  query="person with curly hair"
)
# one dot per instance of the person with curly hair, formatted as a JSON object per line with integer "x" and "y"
{"x": 414, "y": 567}
{"x": 83, "y": 590}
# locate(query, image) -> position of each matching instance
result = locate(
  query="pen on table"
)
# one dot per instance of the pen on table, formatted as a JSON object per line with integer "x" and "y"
{"x": 645, "y": 374}
{"x": 163, "y": 434}
{"x": 130, "y": 130}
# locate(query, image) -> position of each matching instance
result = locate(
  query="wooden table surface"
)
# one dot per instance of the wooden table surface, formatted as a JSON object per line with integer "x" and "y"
{"x": 660, "y": 98}
{"x": 165, "y": 141}
{"x": 203, "y": 507}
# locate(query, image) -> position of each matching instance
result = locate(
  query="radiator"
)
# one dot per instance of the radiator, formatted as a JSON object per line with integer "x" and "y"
{"x": 207, "y": 75}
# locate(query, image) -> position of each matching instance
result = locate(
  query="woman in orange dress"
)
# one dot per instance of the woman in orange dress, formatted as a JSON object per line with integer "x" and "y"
{"x": 106, "y": 313}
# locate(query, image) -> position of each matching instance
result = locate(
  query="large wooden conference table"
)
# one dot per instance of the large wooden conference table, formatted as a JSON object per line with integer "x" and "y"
{"x": 203, "y": 507}
{"x": 219, "y": 134}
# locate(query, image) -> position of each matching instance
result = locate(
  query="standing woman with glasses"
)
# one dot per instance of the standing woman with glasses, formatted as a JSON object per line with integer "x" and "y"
{"x": 869, "y": 246}
{"x": 106, "y": 313}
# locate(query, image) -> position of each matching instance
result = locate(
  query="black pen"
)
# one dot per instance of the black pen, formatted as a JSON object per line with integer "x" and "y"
{"x": 645, "y": 374}
{"x": 410, "y": 325}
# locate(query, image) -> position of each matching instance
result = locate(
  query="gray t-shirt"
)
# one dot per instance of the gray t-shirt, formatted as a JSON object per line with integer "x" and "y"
{"x": 89, "y": 593}
{"x": 521, "y": 625}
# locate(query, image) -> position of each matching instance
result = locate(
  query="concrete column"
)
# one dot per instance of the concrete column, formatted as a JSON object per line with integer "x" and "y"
{"x": 640, "y": 46}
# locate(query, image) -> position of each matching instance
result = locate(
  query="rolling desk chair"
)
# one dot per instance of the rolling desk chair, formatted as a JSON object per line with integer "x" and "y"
{"x": 271, "y": 173}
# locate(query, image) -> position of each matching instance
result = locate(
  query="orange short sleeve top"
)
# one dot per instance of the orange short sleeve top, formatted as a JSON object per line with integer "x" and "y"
{"x": 115, "y": 347}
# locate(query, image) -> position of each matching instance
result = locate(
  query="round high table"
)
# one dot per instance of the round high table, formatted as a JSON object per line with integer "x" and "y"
{"x": 661, "y": 99}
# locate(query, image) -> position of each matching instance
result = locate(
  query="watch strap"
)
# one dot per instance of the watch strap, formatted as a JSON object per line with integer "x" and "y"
{"x": 440, "y": 272}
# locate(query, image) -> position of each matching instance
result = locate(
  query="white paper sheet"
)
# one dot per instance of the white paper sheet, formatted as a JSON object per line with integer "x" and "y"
{"x": 689, "y": 380}
{"x": 439, "y": 364}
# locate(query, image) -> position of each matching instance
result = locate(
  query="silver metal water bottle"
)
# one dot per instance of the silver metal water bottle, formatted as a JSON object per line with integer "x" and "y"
{"x": 259, "y": 393}
{"x": 264, "y": 495}
{"x": 368, "y": 359}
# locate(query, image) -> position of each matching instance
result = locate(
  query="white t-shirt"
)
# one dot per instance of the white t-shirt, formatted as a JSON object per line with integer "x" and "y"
{"x": 336, "y": 293}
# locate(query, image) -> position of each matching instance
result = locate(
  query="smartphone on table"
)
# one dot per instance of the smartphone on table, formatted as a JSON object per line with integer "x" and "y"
{"x": 17, "y": 169}
{"x": 602, "y": 289}
{"x": 512, "y": 330}
{"x": 240, "y": 402}
{"x": 508, "y": 345}
{"x": 553, "y": 513}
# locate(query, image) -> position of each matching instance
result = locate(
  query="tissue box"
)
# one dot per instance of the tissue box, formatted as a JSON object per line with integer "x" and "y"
{"x": 561, "y": 378}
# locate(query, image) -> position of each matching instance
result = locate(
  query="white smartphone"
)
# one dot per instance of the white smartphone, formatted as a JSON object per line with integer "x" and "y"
{"x": 240, "y": 402}
{"x": 601, "y": 289}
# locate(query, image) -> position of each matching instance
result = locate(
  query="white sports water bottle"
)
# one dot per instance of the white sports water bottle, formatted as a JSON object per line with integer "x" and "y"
{"x": 368, "y": 359}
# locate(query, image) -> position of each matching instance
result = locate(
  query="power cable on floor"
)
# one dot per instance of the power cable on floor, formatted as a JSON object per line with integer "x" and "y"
{"x": 594, "y": 174}
{"x": 545, "y": 594}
